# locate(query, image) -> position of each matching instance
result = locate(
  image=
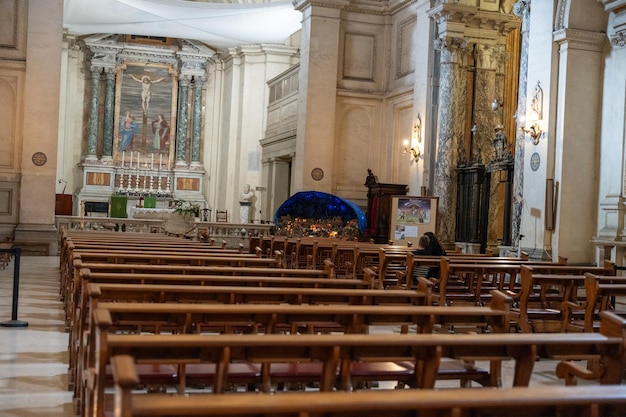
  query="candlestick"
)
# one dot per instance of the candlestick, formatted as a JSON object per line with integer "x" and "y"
{"x": 160, "y": 161}
{"x": 122, "y": 159}
{"x": 152, "y": 161}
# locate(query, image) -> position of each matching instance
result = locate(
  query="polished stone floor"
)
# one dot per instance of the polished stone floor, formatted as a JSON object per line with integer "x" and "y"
{"x": 34, "y": 360}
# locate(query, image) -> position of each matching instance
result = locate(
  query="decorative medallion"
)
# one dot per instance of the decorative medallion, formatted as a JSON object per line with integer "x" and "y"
{"x": 39, "y": 158}
{"x": 535, "y": 161}
{"x": 317, "y": 174}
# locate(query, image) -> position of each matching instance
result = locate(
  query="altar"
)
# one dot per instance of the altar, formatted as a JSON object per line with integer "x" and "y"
{"x": 149, "y": 213}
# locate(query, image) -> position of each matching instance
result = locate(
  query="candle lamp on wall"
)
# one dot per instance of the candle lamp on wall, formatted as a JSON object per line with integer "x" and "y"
{"x": 414, "y": 146}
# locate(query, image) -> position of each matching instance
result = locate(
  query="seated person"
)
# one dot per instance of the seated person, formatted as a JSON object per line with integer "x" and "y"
{"x": 422, "y": 245}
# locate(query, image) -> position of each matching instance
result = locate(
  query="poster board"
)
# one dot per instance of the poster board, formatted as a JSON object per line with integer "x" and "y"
{"x": 411, "y": 217}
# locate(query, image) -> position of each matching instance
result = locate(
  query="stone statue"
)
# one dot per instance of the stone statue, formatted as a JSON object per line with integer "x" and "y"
{"x": 246, "y": 195}
{"x": 371, "y": 178}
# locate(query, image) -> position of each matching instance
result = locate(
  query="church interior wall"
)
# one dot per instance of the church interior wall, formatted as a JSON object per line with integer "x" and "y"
{"x": 384, "y": 83}
{"x": 541, "y": 66}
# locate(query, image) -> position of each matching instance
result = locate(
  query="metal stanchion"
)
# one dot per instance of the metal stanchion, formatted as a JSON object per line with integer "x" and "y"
{"x": 14, "y": 322}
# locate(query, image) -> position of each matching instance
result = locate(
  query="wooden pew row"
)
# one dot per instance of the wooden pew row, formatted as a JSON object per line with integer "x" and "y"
{"x": 600, "y": 295}
{"x": 225, "y": 295}
{"x": 134, "y": 239}
{"x": 181, "y": 274}
{"x": 70, "y": 283}
{"x": 395, "y": 267}
{"x": 137, "y": 256}
{"x": 202, "y": 318}
{"x": 471, "y": 282}
{"x": 592, "y": 401}
{"x": 74, "y": 289}
{"x": 342, "y": 355}
{"x": 131, "y": 274}
{"x": 545, "y": 294}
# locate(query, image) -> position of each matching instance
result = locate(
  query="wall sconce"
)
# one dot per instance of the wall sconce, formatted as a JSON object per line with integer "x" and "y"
{"x": 413, "y": 150}
{"x": 534, "y": 131}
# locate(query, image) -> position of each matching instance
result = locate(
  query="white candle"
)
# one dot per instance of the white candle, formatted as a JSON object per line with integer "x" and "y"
{"x": 160, "y": 161}
{"x": 130, "y": 163}
{"x": 151, "y": 161}
{"x": 168, "y": 164}
{"x": 122, "y": 159}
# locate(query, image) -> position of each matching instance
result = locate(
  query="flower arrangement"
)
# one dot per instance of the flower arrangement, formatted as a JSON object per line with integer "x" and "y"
{"x": 186, "y": 208}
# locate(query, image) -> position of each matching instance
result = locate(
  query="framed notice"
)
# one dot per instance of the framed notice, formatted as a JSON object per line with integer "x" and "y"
{"x": 411, "y": 217}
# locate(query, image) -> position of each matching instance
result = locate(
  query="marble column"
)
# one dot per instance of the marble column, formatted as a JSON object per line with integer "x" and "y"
{"x": 182, "y": 119}
{"x": 197, "y": 119}
{"x": 109, "y": 103}
{"x": 450, "y": 146}
{"x": 484, "y": 94}
{"x": 92, "y": 133}
{"x": 522, "y": 10}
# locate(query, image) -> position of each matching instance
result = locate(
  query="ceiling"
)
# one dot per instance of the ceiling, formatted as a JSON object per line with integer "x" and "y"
{"x": 220, "y": 24}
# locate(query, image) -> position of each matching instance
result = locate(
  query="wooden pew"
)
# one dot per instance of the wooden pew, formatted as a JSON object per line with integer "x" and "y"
{"x": 470, "y": 282}
{"x": 544, "y": 296}
{"x": 156, "y": 293}
{"x": 197, "y": 318}
{"x": 70, "y": 284}
{"x": 591, "y": 401}
{"x": 130, "y": 274}
{"x": 600, "y": 294}
{"x": 339, "y": 353}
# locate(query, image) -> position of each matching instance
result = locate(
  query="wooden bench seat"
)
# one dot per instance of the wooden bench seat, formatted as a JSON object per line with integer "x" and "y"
{"x": 543, "y": 297}
{"x": 337, "y": 353}
{"x": 227, "y": 295}
{"x": 599, "y": 295}
{"x": 592, "y": 401}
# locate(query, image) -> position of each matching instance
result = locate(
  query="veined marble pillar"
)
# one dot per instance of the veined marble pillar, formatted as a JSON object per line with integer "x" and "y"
{"x": 181, "y": 133}
{"x": 450, "y": 149}
{"x": 92, "y": 135}
{"x": 197, "y": 120}
{"x": 522, "y": 10}
{"x": 484, "y": 94}
{"x": 108, "y": 112}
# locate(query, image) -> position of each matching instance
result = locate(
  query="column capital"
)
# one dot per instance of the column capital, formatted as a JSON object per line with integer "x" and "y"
{"x": 618, "y": 39}
{"x": 580, "y": 39}
{"x": 452, "y": 48}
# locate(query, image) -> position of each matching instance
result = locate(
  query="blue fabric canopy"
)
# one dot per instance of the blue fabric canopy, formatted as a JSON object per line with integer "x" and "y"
{"x": 319, "y": 205}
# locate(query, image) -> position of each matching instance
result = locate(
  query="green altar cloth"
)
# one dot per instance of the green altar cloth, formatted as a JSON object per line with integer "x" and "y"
{"x": 149, "y": 202}
{"x": 118, "y": 206}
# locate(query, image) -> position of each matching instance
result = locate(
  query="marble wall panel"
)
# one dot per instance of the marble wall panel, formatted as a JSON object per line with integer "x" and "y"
{"x": 357, "y": 142}
{"x": 359, "y": 56}
{"x": 13, "y": 29}
{"x": 405, "y": 52}
{"x": 8, "y": 103}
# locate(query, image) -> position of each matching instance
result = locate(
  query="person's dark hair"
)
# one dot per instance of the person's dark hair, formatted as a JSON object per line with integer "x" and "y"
{"x": 434, "y": 247}
{"x": 423, "y": 242}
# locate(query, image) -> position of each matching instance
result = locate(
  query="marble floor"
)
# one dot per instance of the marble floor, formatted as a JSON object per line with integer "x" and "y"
{"x": 34, "y": 359}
